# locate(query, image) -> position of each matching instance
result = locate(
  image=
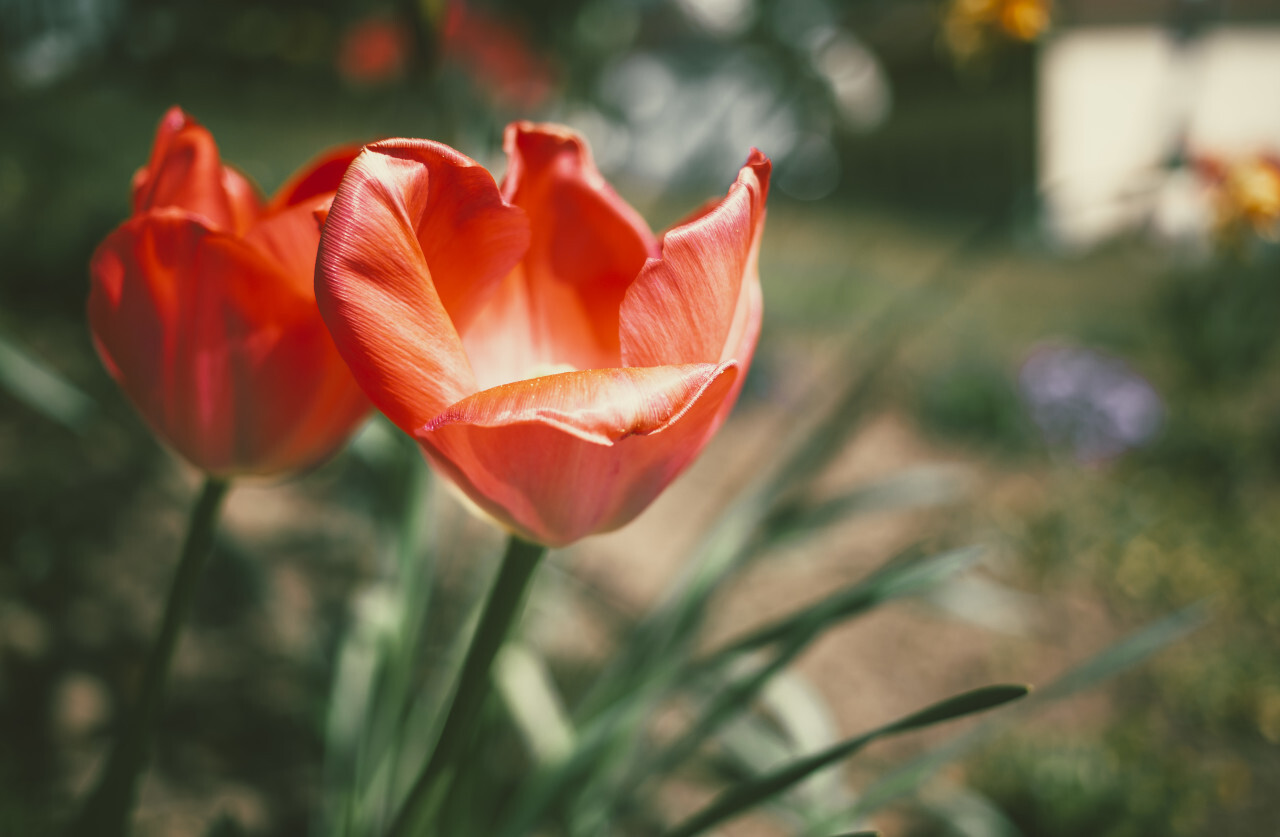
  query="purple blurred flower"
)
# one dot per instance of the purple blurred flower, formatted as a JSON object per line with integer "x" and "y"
{"x": 1096, "y": 405}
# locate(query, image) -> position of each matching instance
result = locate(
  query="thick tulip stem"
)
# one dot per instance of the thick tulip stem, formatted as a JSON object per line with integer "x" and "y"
{"x": 107, "y": 811}
{"x": 474, "y": 682}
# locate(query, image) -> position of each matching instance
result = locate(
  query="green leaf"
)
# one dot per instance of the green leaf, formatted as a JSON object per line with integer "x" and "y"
{"x": 376, "y": 696}
{"x": 791, "y": 719}
{"x": 842, "y": 392}
{"x": 966, "y": 703}
{"x": 738, "y": 799}
{"x": 40, "y": 388}
{"x": 596, "y": 744}
{"x": 1106, "y": 664}
{"x": 523, "y": 682}
{"x": 502, "y": 605}
{"x": 904, "y": 575}
{"x": 913, "y": 488}
{"x": 1128, "y": 652}
{"x": 968, "y": 812}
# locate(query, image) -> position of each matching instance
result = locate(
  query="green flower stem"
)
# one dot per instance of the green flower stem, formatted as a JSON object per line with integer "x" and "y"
{"x": 107, "y": 811}
{"x": 474, "y": 682}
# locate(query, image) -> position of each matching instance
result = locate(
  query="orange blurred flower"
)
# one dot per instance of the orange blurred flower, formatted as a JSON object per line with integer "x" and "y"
{"x": 556, "y": 360}
{"x": 202, "y": 308}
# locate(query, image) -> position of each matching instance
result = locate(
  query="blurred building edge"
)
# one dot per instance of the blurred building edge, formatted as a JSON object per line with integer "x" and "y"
{"x": 1131, "y": 92}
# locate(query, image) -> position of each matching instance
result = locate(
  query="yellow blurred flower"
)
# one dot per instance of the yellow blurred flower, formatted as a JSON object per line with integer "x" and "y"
{"x": 971, "y": 27}
{"x": 1024, "y": 20}
{"x": 1255, "y": 186}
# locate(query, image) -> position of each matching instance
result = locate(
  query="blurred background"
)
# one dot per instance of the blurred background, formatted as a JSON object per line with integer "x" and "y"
{"x": 1049, "y": 230}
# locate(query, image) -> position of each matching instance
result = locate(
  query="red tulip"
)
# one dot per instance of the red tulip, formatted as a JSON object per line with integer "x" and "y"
{"x": 202, "y": 307}
{"x": 556, "y": 360}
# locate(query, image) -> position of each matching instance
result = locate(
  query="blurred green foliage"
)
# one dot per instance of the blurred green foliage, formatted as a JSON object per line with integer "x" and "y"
{"x": 1219, "y": 321}
{"x": 1189, "y": 745}
{"x": 974, "y": 399}
{"x": 1058, "y": 788}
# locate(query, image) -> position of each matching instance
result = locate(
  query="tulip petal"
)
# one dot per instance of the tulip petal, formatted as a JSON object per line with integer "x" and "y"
{"x": 290, "y": 237}
{"x": 317, "y": 179}
{"x": 216, "y": 349}
{"x": 186, "y": 172}
{"x": 586, "y": 247}
{"x": 564, "y": 456}
{"x": 417, "y": 238}
{"x": 699, "y": 301}
{"x": 242, "y": 198}
{"x": 291, "y": 398}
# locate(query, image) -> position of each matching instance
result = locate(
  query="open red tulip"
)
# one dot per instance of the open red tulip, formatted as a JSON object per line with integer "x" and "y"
{"x": 202, "y": 306}
{"x": 557, "y": 361}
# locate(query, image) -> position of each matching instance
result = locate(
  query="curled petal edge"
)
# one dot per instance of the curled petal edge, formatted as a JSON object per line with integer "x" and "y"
{"x": 416, "y": 238}
{"x": 685, "y": 303}
{"x": 555, "y": 475}
{"x": 318, "y": 178}
{"x": 185, "y": 171}
{"x": 526, "y": 402}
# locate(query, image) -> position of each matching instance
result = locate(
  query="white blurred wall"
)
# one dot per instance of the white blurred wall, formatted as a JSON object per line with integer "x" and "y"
{"x": 1113, "y": 101}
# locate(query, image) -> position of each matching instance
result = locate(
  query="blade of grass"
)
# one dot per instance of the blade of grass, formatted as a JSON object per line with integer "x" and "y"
{"x": 42, "y": 389}
{"x": 1106, "y": 664}
{"x": 737, "y": 800}
{"x": 660, "y": 646}
{"x": 473, "y": 686}
{"x": 599, "y": 745}
{"x": 791, "y": 720}
{"x": 796, "y": 632}
{"x": 667, "y": 634}
{"x": 532, "y": 701}
{"x": 108, "y": 809}
{"x": 914, "y": 488}
{"x": 358, "y": 660}
{"x": 803, "y": 721}
{"x": 373, "y": 680}
{"x": 904, "y": 575}
{"x": 415, "y": 569}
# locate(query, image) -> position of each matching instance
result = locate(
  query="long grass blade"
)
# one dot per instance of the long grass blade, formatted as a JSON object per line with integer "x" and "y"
{"x": 735, "y": 801}
{"x": 1113, "y": 660}
{"x": 913, "y": 488}
{"x": 797, "y": 632}
{"x": 904, "y": 575}
{"x": 669, "y": 632}
{"x": 42, "y": 389}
